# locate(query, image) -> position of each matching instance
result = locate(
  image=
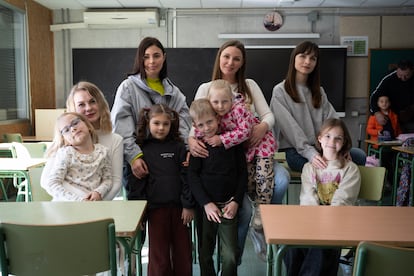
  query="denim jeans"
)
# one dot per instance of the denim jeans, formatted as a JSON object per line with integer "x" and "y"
{"x": 297, "y": 161}
{"x": 282, "y": 178}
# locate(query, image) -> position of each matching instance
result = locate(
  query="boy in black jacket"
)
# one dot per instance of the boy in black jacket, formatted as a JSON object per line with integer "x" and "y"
{"x": 218, "y": 184}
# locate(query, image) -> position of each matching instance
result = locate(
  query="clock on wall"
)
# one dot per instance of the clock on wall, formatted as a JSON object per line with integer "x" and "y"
{"x": 273, "y": 21}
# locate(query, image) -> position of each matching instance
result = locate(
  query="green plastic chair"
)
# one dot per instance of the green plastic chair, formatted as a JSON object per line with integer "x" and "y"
{"x": 62, "y": 249}
{"x": 374, "y": 259}
{"x": 38, "y": 193}
{"x": 12, "y": 137}
{"x": 7, "y": 150}
{"x": 36, "y": 150}
{"x": 372, "y": 183}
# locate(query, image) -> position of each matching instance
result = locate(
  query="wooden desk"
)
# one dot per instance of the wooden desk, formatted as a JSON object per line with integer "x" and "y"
{"x": 19, "y": 168}
{"x": 404, "y": 155}
{"x": 36, "y": 139}
{"x": 384, "y": 145}
{"x": 343, "y": 226}
{"x": 126, "y": 214}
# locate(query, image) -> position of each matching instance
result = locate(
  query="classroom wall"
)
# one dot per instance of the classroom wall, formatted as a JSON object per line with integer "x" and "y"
{"x": 41, "y": 70}
{"x": 199, "y": 28}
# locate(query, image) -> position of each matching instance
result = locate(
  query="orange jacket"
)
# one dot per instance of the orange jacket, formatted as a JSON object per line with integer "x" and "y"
{"x": 373, "y": 127}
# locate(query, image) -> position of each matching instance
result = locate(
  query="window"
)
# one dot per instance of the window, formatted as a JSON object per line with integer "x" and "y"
{"x": 14, "y": 93}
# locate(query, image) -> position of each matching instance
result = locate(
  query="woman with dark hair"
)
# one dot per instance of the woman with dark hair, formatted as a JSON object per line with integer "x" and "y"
{"x": 301, "y": 106}
{"x": 148, "y": 84}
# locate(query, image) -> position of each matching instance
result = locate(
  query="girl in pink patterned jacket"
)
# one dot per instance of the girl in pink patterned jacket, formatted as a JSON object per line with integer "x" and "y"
{"x": 236, "y": 124}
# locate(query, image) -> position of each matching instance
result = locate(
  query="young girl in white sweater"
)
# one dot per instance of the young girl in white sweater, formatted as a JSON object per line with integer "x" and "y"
{"x": 81, "y": 169}
{"x": 337, "y": 185}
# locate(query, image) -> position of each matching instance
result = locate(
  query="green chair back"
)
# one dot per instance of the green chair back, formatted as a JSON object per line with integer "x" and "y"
{"x": 63, "y": 249}
{"x": 373, "y": 259}
{"x": 7, "y": 150}
{"x": 372, "y": 183}
{"x": 38, "y": 193}
{"x": 12, "y": 137}
{"x": 36, "y": 150}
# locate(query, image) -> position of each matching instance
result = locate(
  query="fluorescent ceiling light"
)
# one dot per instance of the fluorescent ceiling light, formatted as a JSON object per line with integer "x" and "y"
{"x": 269, "y": 36}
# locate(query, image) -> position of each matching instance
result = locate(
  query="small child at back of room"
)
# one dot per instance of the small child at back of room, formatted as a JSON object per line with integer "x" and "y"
{"x": 218, "y": 183}
{"x": 236, "y": 124}
{"x": 82, "y": 167}
{"x": 169, "y": 200}
{"x": 391, "y": 129}
{"x": 337, "y": 185}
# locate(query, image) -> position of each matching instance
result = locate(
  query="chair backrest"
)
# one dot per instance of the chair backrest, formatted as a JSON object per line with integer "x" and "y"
{"x": 64, "y": 249}
{"x": 12, "y": 137}
{"x": 38, "y": 193}
{"x": 7, "y": 150}
{"x": 373, "y": 259}
{"x": 30, "y": 150}
{"x": 372, "y": 183}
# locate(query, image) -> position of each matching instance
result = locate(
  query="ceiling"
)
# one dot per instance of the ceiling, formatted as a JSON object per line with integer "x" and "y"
{"x": 216, "y": 4}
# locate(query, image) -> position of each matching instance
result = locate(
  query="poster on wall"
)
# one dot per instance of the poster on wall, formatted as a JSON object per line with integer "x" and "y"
{"x": 356, "y": 45}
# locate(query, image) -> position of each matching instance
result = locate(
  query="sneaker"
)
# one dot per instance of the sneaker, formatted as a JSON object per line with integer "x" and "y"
{"x": 257, "y": 219}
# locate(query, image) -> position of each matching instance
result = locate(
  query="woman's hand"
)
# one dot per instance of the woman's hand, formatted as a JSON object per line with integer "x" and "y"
{"x": 139, "y": 168}
{"x": 318, "y": 162}
{"x": 197, "y": 148}
{"x": 258, "y": 132}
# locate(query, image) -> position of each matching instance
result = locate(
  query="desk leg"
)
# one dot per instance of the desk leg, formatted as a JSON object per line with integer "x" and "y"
{"x": 411, "y": 195}
{"x": 138, "y": 257}
{"x": 280, "y": 253}
{"x": 396, "y": 178}
{"x": 270, "y": 263}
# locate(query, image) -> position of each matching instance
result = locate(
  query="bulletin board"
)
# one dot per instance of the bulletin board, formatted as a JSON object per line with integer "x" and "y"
{"x": 382, "y": 61}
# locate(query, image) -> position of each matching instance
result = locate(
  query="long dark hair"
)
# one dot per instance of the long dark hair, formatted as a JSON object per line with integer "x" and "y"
{"x": 145, "y": 116}
{"x": 313, "y": 82}
{"x": 347, "y": 145}
{"x": 139, "y": 58}
{"x": 240, "y": 74}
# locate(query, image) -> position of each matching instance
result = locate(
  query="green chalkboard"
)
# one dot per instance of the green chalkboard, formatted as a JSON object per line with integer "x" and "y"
{"x": 382, "y": 61}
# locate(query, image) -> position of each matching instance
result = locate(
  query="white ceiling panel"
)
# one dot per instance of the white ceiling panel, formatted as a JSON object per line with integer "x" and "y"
{"x": 140, "y": 3}
{"x": 213, "y": 4}
{"x": 181, "y": 4}
{"x": 92, "y": 4}
{"x": 198, "y": 4}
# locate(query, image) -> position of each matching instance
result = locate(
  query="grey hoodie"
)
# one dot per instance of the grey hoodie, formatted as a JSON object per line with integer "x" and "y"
{"x": 132, "y": 95}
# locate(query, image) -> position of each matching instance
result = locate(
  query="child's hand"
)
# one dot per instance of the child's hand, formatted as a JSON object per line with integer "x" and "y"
{"x": 93, "y": 196}
{"x": 187, "y": 160}
{"x": 230, "y": 210}
{"x": 187, "y": 216}
{"x": 213, "y": 141}
{"x": 212, "y": 212}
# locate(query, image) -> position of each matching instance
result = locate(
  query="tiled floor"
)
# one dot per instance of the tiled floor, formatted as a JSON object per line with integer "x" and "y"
{"x": 251, "y": 265}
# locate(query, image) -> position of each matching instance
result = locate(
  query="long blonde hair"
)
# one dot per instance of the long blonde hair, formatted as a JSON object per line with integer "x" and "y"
{"x": 105, "y": 124}
{"x": 58, "y": 139}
